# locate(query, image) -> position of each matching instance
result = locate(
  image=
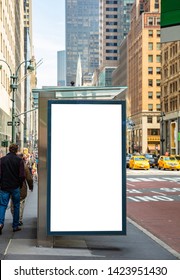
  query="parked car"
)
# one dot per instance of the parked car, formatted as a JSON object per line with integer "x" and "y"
{"x": 168, "y": 162}
{"x": 128, "y": 156}
{"x": 139, "y": 162}
{"x": 151, "y": 158}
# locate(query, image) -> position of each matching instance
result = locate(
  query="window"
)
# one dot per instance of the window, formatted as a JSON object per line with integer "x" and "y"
{"x": 111, "y": 30}
{"x": 150, "y": 107}
{"x": 158, "y": 21}
{"x": 149, "y": 119}
{"x": 150, "y": 46}
{"x": 150, "y": 20}
{"x": 158, "y": 46}
{"x": 111, "y": 44}
{"x": 111, "y": 58}
{"x": 158, "y": 70}
{"x": 111, "y": 23}
{"x": 111, "y": 16}
{"x": 158, "y": 95}
{"x": 158, "y": 119}
{"x": 150, "y": 95}
{"x": 158, "y": 33}
{"x": 111, "y": 9}
{"x": 111, "y": 2}
{"x": 111, "y": 37}
{"x": 150, "y": 82}
{"x": 158, "y": 107}
{"x": 150, "y": 33}
{"x": 158, "y": 83}
{"x": 150, "y": 70}
{"x": 150, "y": 58}
{"x": 111, "y": 51}
{"x": 158, "y": 58}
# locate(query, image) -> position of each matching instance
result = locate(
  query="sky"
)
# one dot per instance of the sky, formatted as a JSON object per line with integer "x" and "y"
{"x": 48, "y": 38}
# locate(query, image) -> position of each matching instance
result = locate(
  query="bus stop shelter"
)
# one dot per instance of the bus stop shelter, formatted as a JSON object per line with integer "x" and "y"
{"x": 82, "y": 169}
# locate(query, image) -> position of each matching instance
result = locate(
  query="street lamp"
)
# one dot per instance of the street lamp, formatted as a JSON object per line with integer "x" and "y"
{"x": 162, "y": 115}
{"x": 14, "y": 86}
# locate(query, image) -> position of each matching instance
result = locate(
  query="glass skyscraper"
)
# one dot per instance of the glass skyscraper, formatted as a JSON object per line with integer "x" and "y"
{"x": 82, "y": 38}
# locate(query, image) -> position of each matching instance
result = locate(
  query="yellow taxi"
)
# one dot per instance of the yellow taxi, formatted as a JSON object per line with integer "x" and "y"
{"x": 139, "y": 162}
{"x": 178, "y": 158}
{"x": 168, "y": 162}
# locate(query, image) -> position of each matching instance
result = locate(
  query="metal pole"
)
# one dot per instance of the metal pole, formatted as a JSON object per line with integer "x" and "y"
{"x": 13, "y": 87}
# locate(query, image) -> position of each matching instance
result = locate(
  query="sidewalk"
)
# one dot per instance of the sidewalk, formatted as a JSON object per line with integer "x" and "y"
{"x": 136, "y": 245}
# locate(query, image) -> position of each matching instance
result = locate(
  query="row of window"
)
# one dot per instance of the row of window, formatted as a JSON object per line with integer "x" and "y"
{"x": 150, "y": 95}
{"x": 151, "y": 33}
{"x": 150, "y": 107}
{"x": 171, "y": 52}
{"x": 153, "y": 21}
{"x": 151, "y": 58}
{"x": 173, "y": 70}
{"x": 150, "y": 82}
{"x": 150, "y": 70}
{"x": 111, "y": 2}
{"x": 172, "y": 105}
{"x": 173, "y": 87}
{"x": 151, "y": 46}
{"x": 150, "y": 120}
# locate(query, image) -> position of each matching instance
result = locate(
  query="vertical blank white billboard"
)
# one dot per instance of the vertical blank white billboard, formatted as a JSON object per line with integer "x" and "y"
{"x": 86, "y": 167}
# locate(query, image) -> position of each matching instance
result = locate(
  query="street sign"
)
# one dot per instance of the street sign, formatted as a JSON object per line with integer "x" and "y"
{"x": 9, "y": 123}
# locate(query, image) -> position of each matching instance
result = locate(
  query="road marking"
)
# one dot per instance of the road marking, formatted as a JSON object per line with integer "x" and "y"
{"x": 130, "y": 185}
{"x": 145, "y": 179}
{"x": 158, "y": 193}
{"x": 159, "y": 179}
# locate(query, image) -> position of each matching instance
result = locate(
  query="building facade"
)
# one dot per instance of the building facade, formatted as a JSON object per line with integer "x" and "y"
{"x": 11, "y": 55}
{"x": 82, "y": 38}
{"x": 144, "y": 76}
{"x": 14, "y": 48}
{"x": 114, "y": 26}
{"x": 170, "y": 98}
{"x": 61, "y": 68}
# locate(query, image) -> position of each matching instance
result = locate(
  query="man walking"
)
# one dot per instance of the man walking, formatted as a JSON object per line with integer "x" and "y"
{"x": 12, "y": 175}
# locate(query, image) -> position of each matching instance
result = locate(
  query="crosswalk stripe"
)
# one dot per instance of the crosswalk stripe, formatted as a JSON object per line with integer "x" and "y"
{"x": 145, "y": 179}
{"x": 159, "y": 179}
{"x": 164, "y": 179}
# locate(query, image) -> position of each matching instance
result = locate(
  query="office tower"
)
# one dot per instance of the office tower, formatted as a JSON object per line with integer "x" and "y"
{"x": 61, "y": 68}
{"x": 114, "y": 26}
{"x": 82, "y": 37}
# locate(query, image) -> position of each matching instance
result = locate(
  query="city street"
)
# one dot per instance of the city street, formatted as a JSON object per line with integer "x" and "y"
{"x": 153, "y": 227}
{"x": 154, "y": 203}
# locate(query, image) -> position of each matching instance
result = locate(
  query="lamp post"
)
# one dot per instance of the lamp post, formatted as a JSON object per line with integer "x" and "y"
{"x": 14, "y": 86}
{"x": 162, "y": 115}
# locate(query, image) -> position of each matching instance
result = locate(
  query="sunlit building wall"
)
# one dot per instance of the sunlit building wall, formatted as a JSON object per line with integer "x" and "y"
{"x": 144, "y": 75}
{"x": 170, "y": 96}
{"x": 11, "y": 51}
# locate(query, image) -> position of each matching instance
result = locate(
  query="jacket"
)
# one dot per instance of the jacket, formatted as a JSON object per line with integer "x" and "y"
{"x": 28, "y": 183}
{"x": 12, "y": 172}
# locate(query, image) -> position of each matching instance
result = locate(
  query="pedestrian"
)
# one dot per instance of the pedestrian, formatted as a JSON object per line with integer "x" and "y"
{"x": 12, "y": 175}
{"x": 27, "y": 184}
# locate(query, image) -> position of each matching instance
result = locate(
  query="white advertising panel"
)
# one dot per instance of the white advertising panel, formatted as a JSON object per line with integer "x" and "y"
{"x": 86, "y": 177}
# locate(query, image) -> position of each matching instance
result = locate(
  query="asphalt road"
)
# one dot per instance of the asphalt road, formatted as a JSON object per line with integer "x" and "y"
{"x": 154, "y": 203}
{"x": 152, "y": 226}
